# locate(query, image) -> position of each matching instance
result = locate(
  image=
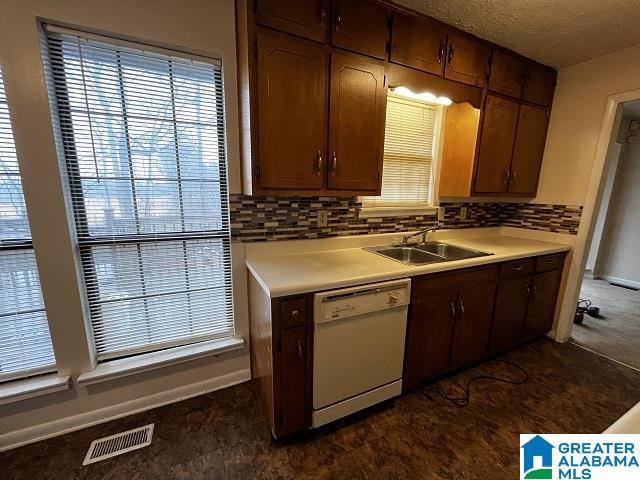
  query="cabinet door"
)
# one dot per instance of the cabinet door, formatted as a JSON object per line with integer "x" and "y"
{"x": 429, "y": 335}
{"x": 539, "y": 85}
{"x": 291, "y": 113}
{"x": 507, "y": 74}
{"x": 542, "y": 305}
{"x": 360, "y": 26}
{"x": 510, "y": 312}
{"x": 417, "y": 43}
{"x": 293, "y": 408}
{"x": 467, "y": 61}
{"x": 496, "y": 145}
{"x": 531, "y": 136}
{"x": 307, "y": 19}
{"x": 473, "y": 325}
{"x": 356, "y": 125}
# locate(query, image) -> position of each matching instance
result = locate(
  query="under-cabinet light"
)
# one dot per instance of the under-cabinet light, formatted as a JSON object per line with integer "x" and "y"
{"x": 424, "y": 96}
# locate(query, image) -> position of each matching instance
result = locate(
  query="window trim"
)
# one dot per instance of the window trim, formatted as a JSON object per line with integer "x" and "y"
{"x": 422, "y": 208}
{"x": 18, "y": 390}
{"x": 123, "y": 367}
{"x": 83, "y": 241}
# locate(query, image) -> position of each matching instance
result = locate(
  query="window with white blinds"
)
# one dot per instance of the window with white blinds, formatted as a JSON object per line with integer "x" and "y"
{"x": 409, "y": 144}
{"x": 25, "y": 343}
{"x": 144, "y": 142}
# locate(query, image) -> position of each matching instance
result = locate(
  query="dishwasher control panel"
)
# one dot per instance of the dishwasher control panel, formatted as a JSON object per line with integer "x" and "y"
{"x": 349, "y": 302}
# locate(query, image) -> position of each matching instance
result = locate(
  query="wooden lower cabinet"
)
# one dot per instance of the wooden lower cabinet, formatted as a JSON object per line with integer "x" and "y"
{"x": 456, "y": 318}
{"x": 449, "y": 322}
{"x": 429, "y": 335}
{"x": 526, "y": 303}
{"x": 292, "y": 365}
{"x": 281, "y": 358}
{"x": 510, "y": 313}
{"x": 542, "y": 305}
{"x": 473, "y": 323}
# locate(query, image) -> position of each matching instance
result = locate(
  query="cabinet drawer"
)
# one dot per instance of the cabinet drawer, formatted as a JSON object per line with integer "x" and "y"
{"x": 549, "y": 262}
{"x": 517, "y": 268}
{"x": 455, "y": 279}
{"x": 293, "y": 312}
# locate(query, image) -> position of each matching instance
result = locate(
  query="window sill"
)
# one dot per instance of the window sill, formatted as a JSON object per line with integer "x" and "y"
{"x": 151, "y": 361}
{"x": 376, "y": 212}
{"x": 18, "y": 390}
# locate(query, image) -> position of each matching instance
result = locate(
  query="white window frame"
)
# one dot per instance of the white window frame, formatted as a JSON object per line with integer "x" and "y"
{"x": 171, "y": 352}
{"x": 430, "y": 208}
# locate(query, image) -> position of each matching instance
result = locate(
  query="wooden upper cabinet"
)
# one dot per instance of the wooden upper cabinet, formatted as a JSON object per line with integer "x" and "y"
{"x": 467, "y": 60}
{"x": 356, "y": 123}
{"x": 308, "y": 18}
{"x": 292, "y": 77}
{"x": 528, "y": 150}
{"x": 361, "y": 26}
{"x": 418, "y": 43}
{"x": 507, "y": 74}
{"x": 496, "y": 145}
{"x": 539, "y": 85}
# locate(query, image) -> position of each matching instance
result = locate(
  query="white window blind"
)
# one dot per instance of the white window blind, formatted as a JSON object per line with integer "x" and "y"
{"x": 143, "y": 136}
{"x": 25, "y": 344}
{"x": 409, "y": 143}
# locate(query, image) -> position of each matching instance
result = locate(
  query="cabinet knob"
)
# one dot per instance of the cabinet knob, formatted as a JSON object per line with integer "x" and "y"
{"x": 338, "y": 22}
{"x": 295, "y": 313}
{"x": 299, "y": 349}
{"x": 334, "y": 163}
{"x": 517, "y": 269}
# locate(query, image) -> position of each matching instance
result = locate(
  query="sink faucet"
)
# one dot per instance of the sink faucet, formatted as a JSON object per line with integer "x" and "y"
{"x": 424, "y": 232}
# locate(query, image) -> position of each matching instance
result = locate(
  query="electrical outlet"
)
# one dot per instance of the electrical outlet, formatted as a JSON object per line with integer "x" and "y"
{"x": 441, "y": 213}
{"x": 323, "y": 218}
{"x": 463, "y": 213}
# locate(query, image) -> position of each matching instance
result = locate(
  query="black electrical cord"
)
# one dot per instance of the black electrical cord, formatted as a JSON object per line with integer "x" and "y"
{"x": 463, "y": 401}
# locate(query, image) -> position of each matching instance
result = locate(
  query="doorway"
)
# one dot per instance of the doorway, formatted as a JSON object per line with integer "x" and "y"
{"x": 608, "y": 317}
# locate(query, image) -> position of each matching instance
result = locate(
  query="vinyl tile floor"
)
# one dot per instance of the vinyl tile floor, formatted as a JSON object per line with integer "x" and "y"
{"x": 224, "y": 435}
{"x": 616, "y": 334}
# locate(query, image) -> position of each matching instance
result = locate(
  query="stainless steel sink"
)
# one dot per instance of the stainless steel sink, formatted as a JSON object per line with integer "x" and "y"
{"x": 450, "y": 252}
{"x": 427, "y": 252}
{"x": 408, "y": 255}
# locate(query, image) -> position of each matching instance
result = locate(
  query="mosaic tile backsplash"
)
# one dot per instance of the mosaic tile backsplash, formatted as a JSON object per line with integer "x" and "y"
{"x": 256, "y": 218}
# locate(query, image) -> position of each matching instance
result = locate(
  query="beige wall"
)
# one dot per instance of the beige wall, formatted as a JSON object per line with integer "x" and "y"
{"x": 582, "y": 119}
{"x": 205, "y": 27}
{"x": 576, "y": 118}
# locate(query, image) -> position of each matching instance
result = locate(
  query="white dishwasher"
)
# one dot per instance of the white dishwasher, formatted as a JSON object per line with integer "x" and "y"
{"x": 358, "y": 349}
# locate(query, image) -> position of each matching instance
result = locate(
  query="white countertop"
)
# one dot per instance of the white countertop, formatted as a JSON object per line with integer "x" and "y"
{"x": 298, "y": 268}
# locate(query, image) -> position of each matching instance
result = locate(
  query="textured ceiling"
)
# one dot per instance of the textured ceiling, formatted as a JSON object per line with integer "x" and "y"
{"x": 554, "y": 32}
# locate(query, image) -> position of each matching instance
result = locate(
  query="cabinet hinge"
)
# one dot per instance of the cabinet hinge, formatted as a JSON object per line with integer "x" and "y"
{"x": 258, "y": 171}
{"x": 384, "y": 81}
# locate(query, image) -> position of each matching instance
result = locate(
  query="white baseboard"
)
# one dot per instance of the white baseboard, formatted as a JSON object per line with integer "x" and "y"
{"x": 59, "y": 427}
{"x": 621, "y": 281}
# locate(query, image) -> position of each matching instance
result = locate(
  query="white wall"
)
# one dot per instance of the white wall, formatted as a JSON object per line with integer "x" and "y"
{"x": 619, "y": 257}
{"x": 205, "y": 27}
{"x": 576, "y": 147}
{"x": 609, "y": 176}
{"x": 576, "y": 118}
